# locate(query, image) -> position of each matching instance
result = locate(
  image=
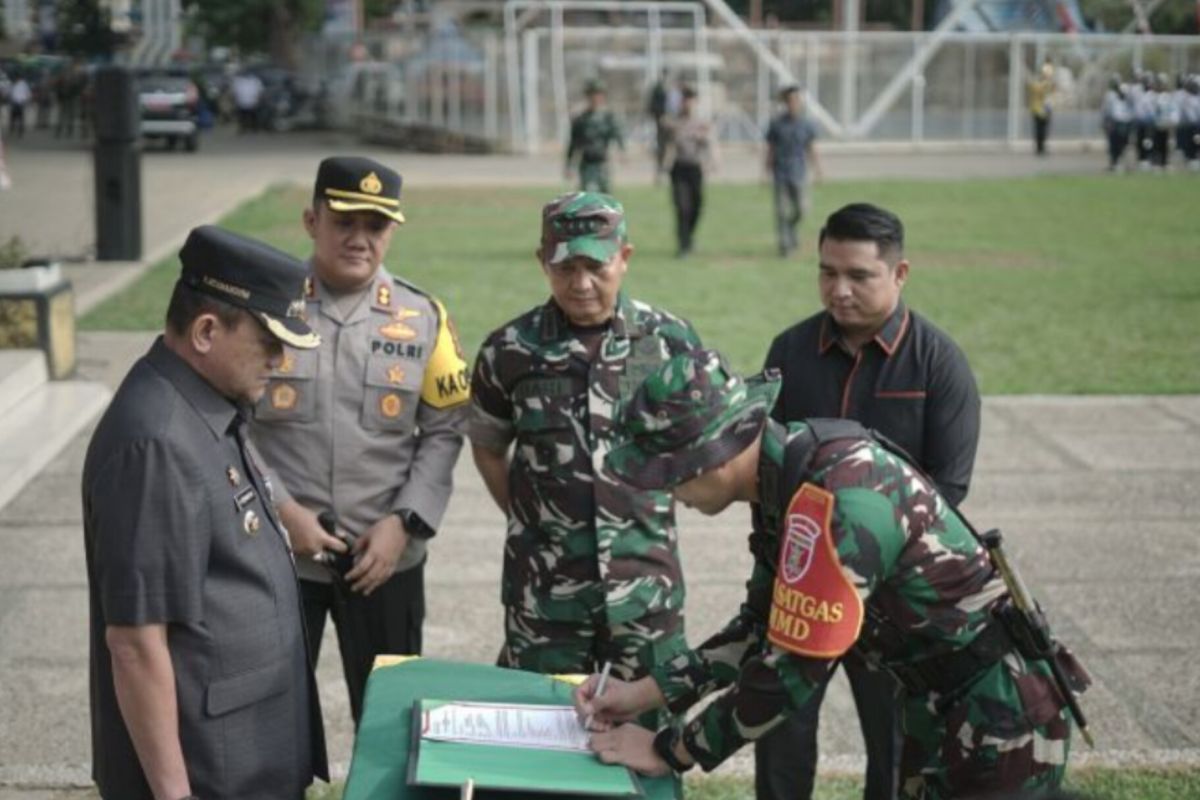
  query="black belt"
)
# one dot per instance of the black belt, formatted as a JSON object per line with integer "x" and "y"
{"x": 949, "y": 671}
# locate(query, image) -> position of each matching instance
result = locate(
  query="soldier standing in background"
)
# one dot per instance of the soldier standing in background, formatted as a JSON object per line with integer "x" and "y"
{"x": 591, "y": 570}
{"x": 592, "y": 133}
{"x": 365, "y": 430}
{"x": 656, "y": 109}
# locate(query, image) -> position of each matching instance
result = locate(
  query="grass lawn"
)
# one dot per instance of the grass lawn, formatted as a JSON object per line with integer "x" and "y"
{"x": 1052, "y": 285}
{"x": 1091, "y": 784}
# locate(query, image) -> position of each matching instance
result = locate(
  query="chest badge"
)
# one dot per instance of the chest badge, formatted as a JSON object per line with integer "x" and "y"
{"x": 251, "y": 523}
{"x": 288, "y": 365}
{"x": 395, "y": 375}
{"x": 235, "y": 477}
{"x": 397, "y": 329}
{"x": 283, "y": 397}
{"x": 390, "y": 405}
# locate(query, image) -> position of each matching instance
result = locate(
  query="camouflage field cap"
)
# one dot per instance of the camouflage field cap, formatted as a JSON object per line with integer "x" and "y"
{"x": 582, "y": 224}
{"x": 692, "y": 414}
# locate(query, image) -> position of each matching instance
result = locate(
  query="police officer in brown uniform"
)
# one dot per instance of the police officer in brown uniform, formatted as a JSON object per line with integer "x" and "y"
{"x": 364, "y": 431}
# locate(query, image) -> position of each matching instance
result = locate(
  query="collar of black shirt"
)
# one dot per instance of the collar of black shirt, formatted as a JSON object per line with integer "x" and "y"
{"x": 887, "y": 337}
{"x": 214, "y": 408}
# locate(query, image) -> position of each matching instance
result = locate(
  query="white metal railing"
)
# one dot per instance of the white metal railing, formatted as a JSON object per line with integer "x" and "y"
{"x": 969, "y": 87}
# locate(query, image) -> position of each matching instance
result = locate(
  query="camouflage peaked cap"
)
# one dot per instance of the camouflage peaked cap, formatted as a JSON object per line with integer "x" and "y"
{"x": 582, "y": 224}
{"x": 689, "y": 416}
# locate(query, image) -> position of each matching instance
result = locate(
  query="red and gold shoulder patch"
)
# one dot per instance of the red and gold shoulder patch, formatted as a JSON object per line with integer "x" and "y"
{"x": 815, "y": 609}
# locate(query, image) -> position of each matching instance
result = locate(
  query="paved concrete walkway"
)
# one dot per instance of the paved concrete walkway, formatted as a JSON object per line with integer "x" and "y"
{"x": 1099, "y": 496}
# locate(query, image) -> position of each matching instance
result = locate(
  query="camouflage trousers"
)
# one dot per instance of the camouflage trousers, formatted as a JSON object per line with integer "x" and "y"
{"x": 593, "y": 176}
{"x": 1007, "y": 732}
{"x": 556, "y": 647}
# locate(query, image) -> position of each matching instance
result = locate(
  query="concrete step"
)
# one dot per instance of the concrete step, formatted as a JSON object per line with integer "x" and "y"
{"x": 21, "y": 372}
{"x": 34, "y": 430}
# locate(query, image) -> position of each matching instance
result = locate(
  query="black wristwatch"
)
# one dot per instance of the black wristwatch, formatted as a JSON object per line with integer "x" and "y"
{"x": 416, "y": 527}
{"x": 664, "y": 745}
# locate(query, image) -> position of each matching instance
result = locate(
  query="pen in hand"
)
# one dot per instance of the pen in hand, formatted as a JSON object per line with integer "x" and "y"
{"x": 587, "y": 723}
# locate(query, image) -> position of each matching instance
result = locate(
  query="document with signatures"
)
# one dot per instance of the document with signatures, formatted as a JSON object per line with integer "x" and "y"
{"x": 539, "y": 727}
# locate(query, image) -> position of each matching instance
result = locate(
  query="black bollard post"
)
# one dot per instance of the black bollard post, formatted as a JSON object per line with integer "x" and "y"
{"x": 117, "y": 165}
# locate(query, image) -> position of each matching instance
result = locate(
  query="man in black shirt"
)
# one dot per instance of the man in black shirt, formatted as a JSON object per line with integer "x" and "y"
{"x": 869, "y": 358}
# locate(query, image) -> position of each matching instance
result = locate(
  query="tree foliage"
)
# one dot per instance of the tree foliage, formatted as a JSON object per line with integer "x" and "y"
{"x": 271, "y": 27}
{"x": 1171, "y": 17}
{"x": 84, "y": 28}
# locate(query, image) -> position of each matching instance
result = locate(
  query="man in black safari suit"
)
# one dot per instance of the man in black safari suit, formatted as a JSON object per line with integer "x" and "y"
{"x": 200, "y": 680}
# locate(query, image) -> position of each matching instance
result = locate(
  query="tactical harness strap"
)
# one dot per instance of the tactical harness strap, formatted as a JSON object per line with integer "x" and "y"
{"x": 881, "y": 638}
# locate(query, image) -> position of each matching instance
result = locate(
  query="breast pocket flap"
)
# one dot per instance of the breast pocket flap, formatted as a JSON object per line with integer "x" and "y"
{"x": 246, "y": 688}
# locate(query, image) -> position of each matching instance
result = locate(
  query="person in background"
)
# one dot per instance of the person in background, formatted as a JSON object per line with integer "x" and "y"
{"x": 1040, "y": 89}
{"x": 791, "y": 148}
{"x": 691, "y": 150}
{"x": 1116, "y": 117}
{"x": 19, "y": 97}
{"x": 1145, "y": 106}
{"x": 593, "y": 133}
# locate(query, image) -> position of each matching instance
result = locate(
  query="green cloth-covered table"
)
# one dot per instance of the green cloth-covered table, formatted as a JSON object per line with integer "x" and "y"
{"x": 379, "y": 768}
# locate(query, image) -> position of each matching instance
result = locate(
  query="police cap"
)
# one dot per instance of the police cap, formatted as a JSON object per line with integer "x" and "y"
{"x": 352, "y": 183}
{"x": 252, "y": 275}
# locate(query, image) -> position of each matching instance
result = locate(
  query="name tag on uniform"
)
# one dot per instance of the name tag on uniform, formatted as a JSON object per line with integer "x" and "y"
{"x": 245, "y": 497}
{"x": 542, "y": 387}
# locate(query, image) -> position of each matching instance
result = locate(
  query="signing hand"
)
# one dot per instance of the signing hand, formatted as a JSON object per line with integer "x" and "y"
{"x": 632, "y": 746}
{"x": 376, "y": 553}
{"x": 307, "y": 536}
{"x": 620, "y": 702}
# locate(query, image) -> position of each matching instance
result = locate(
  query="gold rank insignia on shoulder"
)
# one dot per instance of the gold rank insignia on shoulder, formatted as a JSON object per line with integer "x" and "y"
{"x": 233, "y": 475}
{"x": 390, "y": 405}
{"x": 395, "y": 375}
{"x": 371, "y": 184}
{"x": 251, "y": 523}
{"x": 383, "y": 296}
{"x": 283, "y": 397}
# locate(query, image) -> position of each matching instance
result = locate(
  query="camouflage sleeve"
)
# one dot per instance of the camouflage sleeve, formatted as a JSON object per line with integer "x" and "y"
{"x": 681, "y": 337}
{"x": 758, "y": 686}
{"x": 489, "y": 421}
{"x": 770, "y": 683}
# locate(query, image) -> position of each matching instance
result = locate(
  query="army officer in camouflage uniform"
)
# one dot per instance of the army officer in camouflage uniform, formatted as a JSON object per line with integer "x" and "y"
{"x": 853, "y": 548}
{"x": 591, "y": 571}
{"x": 366, "y": 429}
{"x": 593, "y": 132}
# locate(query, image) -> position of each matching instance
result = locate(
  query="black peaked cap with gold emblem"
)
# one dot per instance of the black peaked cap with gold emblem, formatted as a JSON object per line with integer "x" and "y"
{"x": 252, "y": 275}
{"x": 352, "y": 183}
